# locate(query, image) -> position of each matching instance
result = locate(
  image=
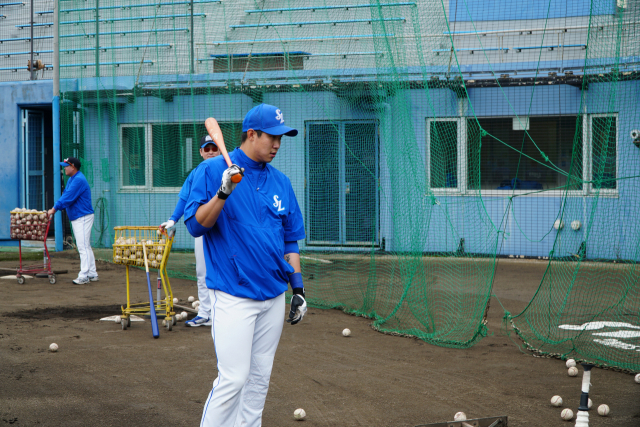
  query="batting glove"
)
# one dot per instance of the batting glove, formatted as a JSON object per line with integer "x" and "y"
{"x": 228, "y": 185}
{"x": 170, "y": 223}
{"x": 298, "y": 309}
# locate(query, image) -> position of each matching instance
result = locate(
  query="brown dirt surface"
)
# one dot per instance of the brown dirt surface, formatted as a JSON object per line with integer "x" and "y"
{"x": 104, "y": 376}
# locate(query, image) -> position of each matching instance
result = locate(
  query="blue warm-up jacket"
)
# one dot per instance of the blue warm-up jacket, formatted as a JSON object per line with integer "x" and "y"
{"x": 76, "y": 198}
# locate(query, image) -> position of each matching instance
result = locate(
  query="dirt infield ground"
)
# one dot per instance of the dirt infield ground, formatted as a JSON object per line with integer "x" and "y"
{"x": 103, "y": 376}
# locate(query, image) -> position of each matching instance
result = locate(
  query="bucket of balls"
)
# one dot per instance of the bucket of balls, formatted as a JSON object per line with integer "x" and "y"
{"x": 29, "y": 224}
{"x": 127, "y": 246}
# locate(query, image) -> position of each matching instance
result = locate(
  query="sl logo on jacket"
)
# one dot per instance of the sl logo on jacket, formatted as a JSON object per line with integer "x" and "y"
{"x": 278, "y": 203}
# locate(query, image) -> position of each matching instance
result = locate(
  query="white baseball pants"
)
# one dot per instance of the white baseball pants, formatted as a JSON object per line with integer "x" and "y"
{"x": 246, "y": 335}
{"x": 201, "y": 275}
{"x": 82, "y": 232}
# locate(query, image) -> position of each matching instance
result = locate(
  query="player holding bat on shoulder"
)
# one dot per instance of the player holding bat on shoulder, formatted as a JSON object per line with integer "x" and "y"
{"x": 250, "y": 221}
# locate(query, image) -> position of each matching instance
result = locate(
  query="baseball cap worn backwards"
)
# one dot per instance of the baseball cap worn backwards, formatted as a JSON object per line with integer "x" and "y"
{"x": 206, "y": 140}
{"x": 268, "y": 119}
{"x": 70, "y": 161}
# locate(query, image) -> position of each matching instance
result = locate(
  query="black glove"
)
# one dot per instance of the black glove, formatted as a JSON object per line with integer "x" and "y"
{"x": 298, "y": 308}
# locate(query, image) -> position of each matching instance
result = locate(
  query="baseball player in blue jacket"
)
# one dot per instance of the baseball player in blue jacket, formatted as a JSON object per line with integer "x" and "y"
{"x": 250, "y": 233}
{"x": 76, "y": 199}
{"x": 208, "y": 150}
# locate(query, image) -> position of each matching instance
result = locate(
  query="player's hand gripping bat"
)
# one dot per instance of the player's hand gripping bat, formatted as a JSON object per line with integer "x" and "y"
{"x": 154, "y": 319}
{"x": 214, "y": 131}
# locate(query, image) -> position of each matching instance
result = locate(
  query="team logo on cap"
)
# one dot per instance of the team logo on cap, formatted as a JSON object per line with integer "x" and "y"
{"x": 279, "y": 116}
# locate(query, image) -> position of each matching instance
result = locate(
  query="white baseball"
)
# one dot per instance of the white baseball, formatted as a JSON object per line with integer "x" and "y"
{"x": 572, "y": 371}
{"x": 178, "y": 317}
{"x": 175, "y": 300}
{"x": 118, "y": 319}
{"x": 556, "y": 401}
{"x": 346, "y": 332}
{"x": 54, "y": 347}
{"x": 460, "y": 416}
{"x": 164, "y": 322}
{"x": 637, "y": 378}
{"x": 567, "y": 414}
{"x": 589, "y": 404}
{"x": 299, "y": 414}
{"x": 183, "y": 314}
{"x": 571, "y": 363}
{"x": 603, "y": 410}
{"x": 191, "y": 299}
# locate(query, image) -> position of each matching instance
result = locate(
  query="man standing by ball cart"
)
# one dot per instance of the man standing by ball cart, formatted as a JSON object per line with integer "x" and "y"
{"x": 208, "y": 150}
{"x": 76, "y": 199}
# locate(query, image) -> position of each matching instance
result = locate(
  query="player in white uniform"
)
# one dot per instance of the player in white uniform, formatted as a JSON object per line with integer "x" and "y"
{"x": 208, "y": 150}
{"x": 251, "y": 231}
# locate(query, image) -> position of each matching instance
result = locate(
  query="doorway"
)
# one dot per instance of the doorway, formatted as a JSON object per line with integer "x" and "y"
{"x": 342, "y": 184}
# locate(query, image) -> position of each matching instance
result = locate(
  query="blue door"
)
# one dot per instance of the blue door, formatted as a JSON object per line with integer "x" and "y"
{"x": 32, "y": 160}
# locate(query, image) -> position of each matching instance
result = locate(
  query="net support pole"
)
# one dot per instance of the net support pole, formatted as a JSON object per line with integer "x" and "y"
{"x": 55, "y": 112}
{"x": 31, "y": 67}
{"x": 97, "y": 39}
{"x": 192, "y": 62}
{"x": 582, "y": 418}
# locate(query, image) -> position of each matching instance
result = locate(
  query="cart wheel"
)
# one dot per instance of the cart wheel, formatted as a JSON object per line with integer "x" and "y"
{"x": 169, "y": 324}
{"x": 128, "y": 321}
{"x": 123, "y": 322}
{"x": 173, "y": 320}
{"x": 20, "y": 280}
{"x": 52, "y": 279}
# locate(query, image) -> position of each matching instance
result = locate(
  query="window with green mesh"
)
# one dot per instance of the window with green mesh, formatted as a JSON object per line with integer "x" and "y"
{"x": 604, "y": 152}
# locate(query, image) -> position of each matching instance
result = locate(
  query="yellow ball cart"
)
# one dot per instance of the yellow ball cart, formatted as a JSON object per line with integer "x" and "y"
{"x": 127, "y": 250}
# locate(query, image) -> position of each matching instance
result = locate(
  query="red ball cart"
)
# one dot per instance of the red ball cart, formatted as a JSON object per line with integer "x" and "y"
{"x": 32, "y": 225}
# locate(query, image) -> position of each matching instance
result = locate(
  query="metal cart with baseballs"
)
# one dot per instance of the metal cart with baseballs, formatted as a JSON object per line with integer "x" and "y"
{"x": 30, "y": 224}
{"x": 127, "y": 250}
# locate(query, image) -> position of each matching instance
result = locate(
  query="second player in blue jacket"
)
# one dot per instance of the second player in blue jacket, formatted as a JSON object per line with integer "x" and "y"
{"x": 250, "y": 232}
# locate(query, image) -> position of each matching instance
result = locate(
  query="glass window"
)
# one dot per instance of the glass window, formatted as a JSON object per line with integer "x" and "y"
{"x": 603, "y": 152}
{"x": 443, "y": 154}
{"x": 133, "y": 156}
{"x": 495, "y": 161}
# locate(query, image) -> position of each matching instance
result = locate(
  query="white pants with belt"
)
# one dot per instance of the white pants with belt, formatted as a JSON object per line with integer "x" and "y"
{"x": 246, "y": 335}
{"x": 82, "y": 232}
{"x": 201, "y": 274}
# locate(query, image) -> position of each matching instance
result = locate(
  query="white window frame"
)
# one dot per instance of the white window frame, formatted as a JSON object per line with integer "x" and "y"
{"x": 148, "y": 170}
{"x": 587, "y": 154}
{"x": 461, "y": 172}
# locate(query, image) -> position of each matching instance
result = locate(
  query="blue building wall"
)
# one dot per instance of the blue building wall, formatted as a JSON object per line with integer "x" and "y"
{"x": 527, "y": 221}
{"x": 13, "y": 96}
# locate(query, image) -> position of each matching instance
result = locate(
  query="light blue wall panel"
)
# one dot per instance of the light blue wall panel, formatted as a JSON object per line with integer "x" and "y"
{"x": 12, "y": 96}
{"x": 498, "y": 10}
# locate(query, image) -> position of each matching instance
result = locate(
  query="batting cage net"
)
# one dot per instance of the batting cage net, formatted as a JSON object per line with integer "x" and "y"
{"x": 435, "y": 137}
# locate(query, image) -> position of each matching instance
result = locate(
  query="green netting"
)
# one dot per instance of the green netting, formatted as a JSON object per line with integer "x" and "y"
{"x": 435, "y": 137}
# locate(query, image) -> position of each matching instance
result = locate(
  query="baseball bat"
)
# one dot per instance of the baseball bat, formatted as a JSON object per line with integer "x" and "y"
{"x": 154, "y": 319}
{"x": 214, "y": 131}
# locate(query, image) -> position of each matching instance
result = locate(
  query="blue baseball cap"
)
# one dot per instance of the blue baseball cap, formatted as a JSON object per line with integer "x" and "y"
{"x": 206, "y": 140}
{"x": 268, "y": 119}
{"x": 70, "y": 161}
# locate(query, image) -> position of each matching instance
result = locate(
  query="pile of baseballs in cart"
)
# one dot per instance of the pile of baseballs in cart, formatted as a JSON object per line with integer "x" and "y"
{"x": 129, "y": 251}
{"x": 28, "y": 224}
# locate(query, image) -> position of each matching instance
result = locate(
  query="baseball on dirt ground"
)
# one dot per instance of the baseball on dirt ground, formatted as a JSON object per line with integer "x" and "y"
{"x": 637, "y": 378}
{"x": 346, "y": 332}
{"x": 54, "y": 347}
{"x": 460, "y": 416}
{"x": 572, "y": 371}
{"x": 567, "y": 414}
{"x": 299, "y": 414}
{"x": 191, "y": 299}
{"x": 603, "y": 410}
{"x": 571, "y": 363}
{"x": 556, "y": 401}
{"x": 175, "y": 300}
{"x": 118, "y": 319}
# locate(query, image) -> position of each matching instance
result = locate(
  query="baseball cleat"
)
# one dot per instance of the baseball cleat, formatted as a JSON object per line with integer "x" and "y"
{"x": 198, "y": 321}
{"x": 93, "y": 278}
{"x": 81, "y": 281}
